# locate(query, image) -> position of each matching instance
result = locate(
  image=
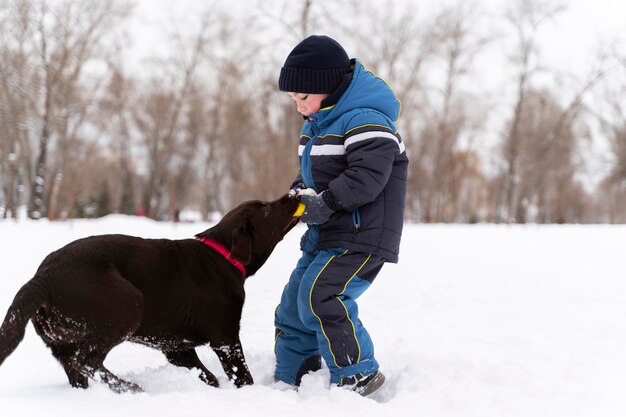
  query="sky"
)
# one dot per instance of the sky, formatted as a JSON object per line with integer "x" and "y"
{"x": 569, "y": 40}
{"x": 474, "y": 321}
{"x": 586, "y": 26}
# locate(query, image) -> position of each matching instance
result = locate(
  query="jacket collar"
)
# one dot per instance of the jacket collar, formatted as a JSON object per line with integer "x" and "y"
{"x": 365, "y": 90}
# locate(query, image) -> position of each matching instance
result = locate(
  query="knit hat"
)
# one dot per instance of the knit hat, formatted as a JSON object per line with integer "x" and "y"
{"x": 315, "y": 66}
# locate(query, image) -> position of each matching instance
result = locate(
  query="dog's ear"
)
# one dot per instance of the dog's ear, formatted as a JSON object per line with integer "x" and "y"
{"x": 241, "y": 246}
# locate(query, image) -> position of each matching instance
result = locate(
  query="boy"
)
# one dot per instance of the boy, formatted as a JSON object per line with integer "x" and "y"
{"x": 352, "y": 181}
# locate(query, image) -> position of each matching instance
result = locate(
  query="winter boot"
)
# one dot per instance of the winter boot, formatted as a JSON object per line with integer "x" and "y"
{"x": 364, "y": 386}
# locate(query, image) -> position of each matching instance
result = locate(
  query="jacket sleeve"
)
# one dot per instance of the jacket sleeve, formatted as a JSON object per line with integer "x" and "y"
{"x": 370, "y": 156}
{"x": 297, "y": 181}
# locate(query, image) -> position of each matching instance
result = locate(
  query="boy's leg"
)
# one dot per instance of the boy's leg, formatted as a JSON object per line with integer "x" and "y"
{"x": 296, "y": 347}
{"x": 326, "y": 304}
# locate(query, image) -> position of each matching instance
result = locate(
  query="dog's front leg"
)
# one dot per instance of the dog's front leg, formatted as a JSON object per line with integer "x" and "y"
{"x": 189, "y": 359}
{"x": 234, "y": 363}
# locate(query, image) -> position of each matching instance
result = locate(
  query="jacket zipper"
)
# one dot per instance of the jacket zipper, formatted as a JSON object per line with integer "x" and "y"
{"x": 306, "y": 165}
{"x": 356, "y": 220}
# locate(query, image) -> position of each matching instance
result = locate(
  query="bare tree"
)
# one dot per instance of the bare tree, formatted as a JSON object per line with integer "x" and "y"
{"x": 115, "y": 124}
{"x": 159, "y": 116}
{"x": 533, "y": 157}
{"x": 527, "y": 18}
{"x": 67, "y": 36}
{"x": 548, "y": 189}
{"x": 17, "y": 86}
{"x": 612, "y": 189}
{"x": 299, "y": 19}
{"x": 433, "y": 117}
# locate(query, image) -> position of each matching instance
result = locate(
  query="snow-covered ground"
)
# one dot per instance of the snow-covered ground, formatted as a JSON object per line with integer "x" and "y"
{"x": 478, "y": 320}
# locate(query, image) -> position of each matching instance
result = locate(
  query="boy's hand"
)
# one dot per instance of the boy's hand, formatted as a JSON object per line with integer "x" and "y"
{"x": 296, "y": 188}
{"x": 316, "y": 211}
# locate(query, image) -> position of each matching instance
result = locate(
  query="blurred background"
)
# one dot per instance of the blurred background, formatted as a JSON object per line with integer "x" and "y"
{"x": 512, "y": 111}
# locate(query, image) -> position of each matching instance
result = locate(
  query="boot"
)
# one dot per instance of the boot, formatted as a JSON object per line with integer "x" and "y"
{"x": 363, "y": 386}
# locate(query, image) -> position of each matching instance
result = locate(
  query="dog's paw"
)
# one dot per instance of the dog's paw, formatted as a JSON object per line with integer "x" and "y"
{"x": 120, "y": 386}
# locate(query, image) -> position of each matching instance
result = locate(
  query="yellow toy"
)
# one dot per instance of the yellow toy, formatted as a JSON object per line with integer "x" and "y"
{"x": 299, "y": 210}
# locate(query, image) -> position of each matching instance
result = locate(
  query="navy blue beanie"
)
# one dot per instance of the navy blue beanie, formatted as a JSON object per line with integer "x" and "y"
{"x": 315, "y": 66}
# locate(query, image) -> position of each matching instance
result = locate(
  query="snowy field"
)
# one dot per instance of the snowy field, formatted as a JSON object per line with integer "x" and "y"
{"x": 474, "y": 321}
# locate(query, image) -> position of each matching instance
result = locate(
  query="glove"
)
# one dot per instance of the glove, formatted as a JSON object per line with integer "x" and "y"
{"x": 316, "y": 211}
{"x": 295, "y": 188}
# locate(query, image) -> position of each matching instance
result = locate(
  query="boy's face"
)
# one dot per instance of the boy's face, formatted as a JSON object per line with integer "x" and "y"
{"x": 307, "y": 103}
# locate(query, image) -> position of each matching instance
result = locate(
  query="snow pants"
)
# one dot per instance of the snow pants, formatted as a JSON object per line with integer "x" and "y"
{"x": 318, "y": 316}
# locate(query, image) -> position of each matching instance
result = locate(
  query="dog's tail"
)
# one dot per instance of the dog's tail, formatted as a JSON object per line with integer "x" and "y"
{"x": 25, "y": 304}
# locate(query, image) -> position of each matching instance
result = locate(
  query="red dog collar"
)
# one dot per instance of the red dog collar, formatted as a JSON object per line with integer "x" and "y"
{"x": 224, "y": 252}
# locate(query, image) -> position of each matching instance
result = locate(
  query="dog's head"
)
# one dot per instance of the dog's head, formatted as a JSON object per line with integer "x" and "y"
{"x": 253, "y": 229}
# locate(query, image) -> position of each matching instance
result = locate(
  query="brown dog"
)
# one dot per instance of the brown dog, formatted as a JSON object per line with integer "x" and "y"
{"x": 172, "y": 295}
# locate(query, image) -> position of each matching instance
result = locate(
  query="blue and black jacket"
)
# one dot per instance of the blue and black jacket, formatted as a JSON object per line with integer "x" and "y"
{"x": 352, "y": 149}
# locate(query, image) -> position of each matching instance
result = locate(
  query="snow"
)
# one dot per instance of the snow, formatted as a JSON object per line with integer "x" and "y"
{"x": 478, "y": 320}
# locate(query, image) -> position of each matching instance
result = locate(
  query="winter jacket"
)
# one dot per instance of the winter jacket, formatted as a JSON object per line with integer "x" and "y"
{"x": 352, "y": 149}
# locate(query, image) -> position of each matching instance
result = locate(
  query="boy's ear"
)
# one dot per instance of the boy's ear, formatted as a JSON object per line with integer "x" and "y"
{"x": 241, "y": 248}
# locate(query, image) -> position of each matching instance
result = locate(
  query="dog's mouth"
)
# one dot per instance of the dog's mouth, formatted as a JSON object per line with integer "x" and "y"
{"x": 292, "y": 205}
{"x": 291, "y": 225}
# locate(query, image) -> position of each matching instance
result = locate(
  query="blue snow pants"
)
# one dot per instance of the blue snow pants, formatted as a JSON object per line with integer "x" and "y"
{"x": 318, "y": 316}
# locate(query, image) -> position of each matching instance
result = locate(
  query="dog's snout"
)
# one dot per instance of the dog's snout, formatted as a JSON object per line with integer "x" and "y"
{"x": 288, "y": 201}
